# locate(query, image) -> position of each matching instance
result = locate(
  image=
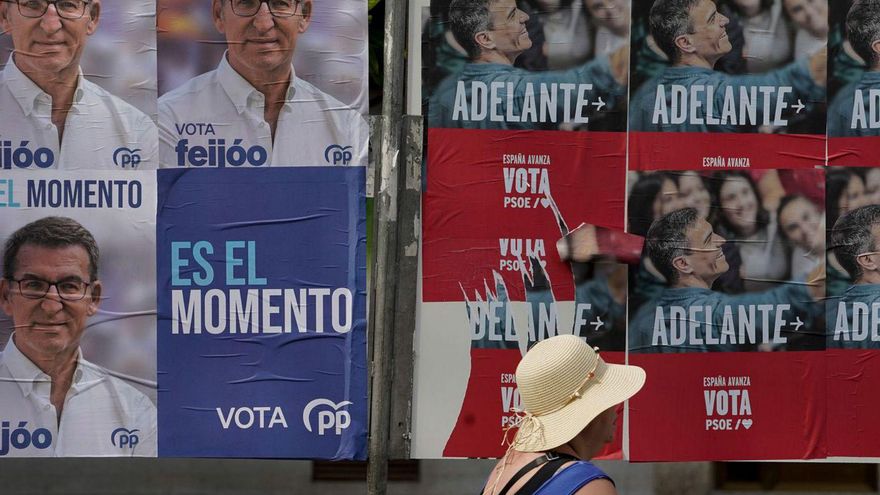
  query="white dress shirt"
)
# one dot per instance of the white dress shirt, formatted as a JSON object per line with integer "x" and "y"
{"x": 99, "y": 128}
{"x": 101, "y": 413}
{"x": 313, "y": 128}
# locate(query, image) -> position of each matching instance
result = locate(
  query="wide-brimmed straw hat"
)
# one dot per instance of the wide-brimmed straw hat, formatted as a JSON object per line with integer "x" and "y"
{"x": 564, "y": 385}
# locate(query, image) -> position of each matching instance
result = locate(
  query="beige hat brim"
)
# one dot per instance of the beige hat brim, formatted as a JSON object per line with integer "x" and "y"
{"x": 617, "y": 384}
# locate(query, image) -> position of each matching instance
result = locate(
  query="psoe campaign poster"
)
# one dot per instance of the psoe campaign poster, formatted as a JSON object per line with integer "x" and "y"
{"x": 726, "y": 306}
{"x": 244, "y": 83}
{"x": 854, "y": 84}
{"x": 728, "y": 84}
{"x": 78, "y": 85}
{"x": 262, "y": 313}
{"x": 526, "y": 141}
{"x": 78, "y": 314}
{"x": 852, "y": 310}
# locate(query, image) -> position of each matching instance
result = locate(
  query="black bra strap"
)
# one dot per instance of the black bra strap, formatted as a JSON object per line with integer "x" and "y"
{"x": 553, "y": 461}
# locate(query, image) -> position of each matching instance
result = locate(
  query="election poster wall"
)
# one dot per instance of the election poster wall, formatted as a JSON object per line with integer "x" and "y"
{"x": 853, "y": 213}
{"x": 853, "y": 84}
{"x": 183, "y": 313}
{"x": 250, "y": 84}
{"x": 728, "y": 84}
{"x": 525, "y": 142}
{"x": 197, "y": 314}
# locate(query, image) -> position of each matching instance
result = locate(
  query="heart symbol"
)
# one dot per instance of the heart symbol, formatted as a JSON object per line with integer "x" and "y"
{"x": 545, "y": 202}
{"x": 747, "y": 423}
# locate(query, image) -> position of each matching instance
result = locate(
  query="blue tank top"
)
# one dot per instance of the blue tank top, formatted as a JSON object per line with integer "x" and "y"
{"x": 571, "y": 479}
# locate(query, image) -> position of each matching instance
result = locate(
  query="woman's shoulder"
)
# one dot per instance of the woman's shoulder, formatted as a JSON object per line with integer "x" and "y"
{"x": 579, "y": 478}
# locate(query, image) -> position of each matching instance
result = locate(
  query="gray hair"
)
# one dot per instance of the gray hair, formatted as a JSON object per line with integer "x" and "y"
{"x": 863, "y": 28}
{"x": 467, "y": 18}
{"x": 667, "y": 240}
{"x": 669, "y": 19}
{"x": 851, "y": 236}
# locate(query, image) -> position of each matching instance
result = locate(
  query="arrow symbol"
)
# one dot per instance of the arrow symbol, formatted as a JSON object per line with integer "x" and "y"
{"x": 599, "y": 104}
{"x": 798, "y": 323}
{"x": 800, "y": 106}
{"x": 597, "y": 324}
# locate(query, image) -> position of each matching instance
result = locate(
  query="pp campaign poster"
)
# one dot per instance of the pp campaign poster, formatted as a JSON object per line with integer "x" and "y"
{"x": 262, "y": 313}
{"x": 250, "y": 84}
{"x": 854, "y": 84}
{"x": 852, "y": 292}
{"x": 526, "y": 141}
{"x": 77, "y": 312}
{"x": 726, "y": 305}
{"x": 720, "y": 85}
{"x": 89, "y": 106}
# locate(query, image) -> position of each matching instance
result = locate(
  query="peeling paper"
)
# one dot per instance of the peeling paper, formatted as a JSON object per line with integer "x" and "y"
{"x": 515, "y": 154}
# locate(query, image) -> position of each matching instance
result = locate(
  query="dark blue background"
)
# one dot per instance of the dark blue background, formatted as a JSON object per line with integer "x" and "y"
{"x": 309, "y": 224}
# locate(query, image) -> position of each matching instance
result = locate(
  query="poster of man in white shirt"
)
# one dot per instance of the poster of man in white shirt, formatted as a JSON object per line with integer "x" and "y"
{"x": 66, "y": 106}
{"x": 78, "y": 315}
{"x": 288, "y": 90}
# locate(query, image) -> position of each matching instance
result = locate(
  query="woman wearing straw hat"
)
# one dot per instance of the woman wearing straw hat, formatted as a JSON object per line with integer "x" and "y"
{"x": 570, "y": 396}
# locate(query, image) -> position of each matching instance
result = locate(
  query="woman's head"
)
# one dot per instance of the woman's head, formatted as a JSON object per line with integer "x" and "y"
{"x": 693, "y": 193}
{"x": 565, "y": 387}
{"x": 750, "y": 8}
{"x": 872, "y": 186}
{"x": 844, "y": 191}
{"x": 610, "y": 14}
{"x": 651, "y": 197}
{"x": 738, "y": 203}
{"x": 800, "y": 222}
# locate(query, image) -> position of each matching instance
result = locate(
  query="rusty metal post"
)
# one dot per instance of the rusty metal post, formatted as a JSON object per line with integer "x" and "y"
{"x": 384, "y": 286}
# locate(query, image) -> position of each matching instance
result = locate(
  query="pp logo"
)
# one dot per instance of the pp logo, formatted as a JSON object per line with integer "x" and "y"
{"x": 336, "y": 154}
{"x": 126, "y": 158}
{"x": 123, "y": 438}
{"x": 327, "y": 419}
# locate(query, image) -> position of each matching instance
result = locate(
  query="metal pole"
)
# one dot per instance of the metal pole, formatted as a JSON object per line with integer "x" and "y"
{"x": 384, "y": 281}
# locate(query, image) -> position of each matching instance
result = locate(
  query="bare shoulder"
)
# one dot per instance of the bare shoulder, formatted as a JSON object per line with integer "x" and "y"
{"x": 598, "y": 487}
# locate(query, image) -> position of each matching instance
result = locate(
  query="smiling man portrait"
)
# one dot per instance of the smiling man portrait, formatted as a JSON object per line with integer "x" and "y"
{"x": 47, "y": 105}
{"x": 255, "y": 102}
{"x": 692, "y": 34}
{"x": 67, "y": 405}
{"x": 688, "y": 253}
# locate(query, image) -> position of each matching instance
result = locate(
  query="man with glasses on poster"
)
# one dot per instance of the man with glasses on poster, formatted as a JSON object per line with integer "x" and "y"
{"x": 51, "y": 116}
{"x": 253, "y": 110}
{"x": 53, "y": 402}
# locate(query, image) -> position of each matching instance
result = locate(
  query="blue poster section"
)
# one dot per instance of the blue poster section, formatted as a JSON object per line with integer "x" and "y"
{"x": 262, "y": 313}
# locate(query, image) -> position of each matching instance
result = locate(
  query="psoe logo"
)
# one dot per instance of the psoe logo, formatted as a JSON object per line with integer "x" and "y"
{"x": 126, "y": 158}
{"x": 336, "y": 154}
{"x": 327, "y": 419}
{"x": 123, "y": 438}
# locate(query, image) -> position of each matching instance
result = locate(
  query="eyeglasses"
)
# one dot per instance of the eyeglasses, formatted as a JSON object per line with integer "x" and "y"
{"x": 278, "y": 8}
{"x": 66, "y": 9}
{"x": 68, "y": 290}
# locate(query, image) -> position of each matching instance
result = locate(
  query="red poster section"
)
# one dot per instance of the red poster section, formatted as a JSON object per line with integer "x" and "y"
{"x": 853, "y": 402}
{"x": 714, "y": 152}
{"x": 854, "y": 151}
{"x": 488, "y": 203}
{"x": 729, "y": 406}
{"x": 495, "y": 200}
